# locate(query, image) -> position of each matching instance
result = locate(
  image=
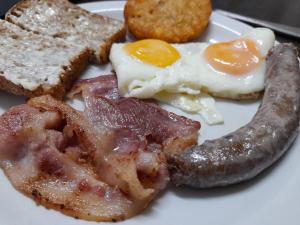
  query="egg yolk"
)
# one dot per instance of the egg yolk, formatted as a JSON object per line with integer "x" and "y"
{"x": 155, "y": 52}
{"x": 237, "y": 57}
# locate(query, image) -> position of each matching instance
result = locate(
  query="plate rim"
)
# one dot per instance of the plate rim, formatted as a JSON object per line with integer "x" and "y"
{"x": 113, "y": 6}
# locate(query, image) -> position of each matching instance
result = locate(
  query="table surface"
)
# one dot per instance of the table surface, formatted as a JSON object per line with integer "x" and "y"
{"x": 279, "y": 11}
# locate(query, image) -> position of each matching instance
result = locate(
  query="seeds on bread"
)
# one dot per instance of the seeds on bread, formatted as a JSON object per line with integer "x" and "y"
{"x": 62, "y": 19}
{"x": 32, "y": 64}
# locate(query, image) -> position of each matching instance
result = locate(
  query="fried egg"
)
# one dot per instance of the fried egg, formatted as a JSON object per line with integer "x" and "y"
{"x": 179, "y": 73}
{"x": 201, "y": 103}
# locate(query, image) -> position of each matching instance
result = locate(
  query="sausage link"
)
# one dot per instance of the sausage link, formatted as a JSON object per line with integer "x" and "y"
{"x": 243, "y": 154}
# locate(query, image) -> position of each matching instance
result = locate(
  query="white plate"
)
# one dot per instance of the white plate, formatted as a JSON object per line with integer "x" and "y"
{"x": 271, "y": 198}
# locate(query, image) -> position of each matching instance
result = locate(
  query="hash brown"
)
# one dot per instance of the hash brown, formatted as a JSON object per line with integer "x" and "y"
{"x": 172, "y": 21}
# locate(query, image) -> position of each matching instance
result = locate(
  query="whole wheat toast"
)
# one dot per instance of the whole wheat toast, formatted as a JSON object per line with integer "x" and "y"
{"x": 32, "y": 64}
{"x": 62, "y": 19}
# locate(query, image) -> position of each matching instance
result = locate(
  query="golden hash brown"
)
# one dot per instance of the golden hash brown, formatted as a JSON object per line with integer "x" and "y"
{"x": 169, "y": 20}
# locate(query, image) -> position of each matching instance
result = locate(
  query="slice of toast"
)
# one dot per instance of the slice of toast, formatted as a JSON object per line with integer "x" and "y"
{"x": 62, "y": 19}
{"x": 32, "y": 64}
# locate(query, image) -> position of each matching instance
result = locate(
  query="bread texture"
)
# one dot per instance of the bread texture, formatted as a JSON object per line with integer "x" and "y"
{"x": 168, "y": 20}
{"x": 64, "y": 20}
{"x": 33, "y": 65}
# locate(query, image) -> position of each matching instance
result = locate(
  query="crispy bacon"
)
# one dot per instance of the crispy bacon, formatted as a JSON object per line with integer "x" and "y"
{"x": 142, "y": 130}
{"x": 32, "y": 155}
{"x": 106, "y": 108}
{"x": 102, "y": 147}
{"x": 103, "y": 164}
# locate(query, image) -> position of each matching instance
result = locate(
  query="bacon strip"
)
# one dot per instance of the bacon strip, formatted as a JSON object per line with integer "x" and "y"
{"x": 146, "y": 128}
{"x": 102, "y": 145}
{"x": 32, "y": 155}
{"x": 104, "y": 164}
{"x": 106, "y": 108}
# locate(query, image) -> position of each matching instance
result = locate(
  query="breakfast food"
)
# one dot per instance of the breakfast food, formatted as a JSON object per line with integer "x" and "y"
{"x": 104, "y": 102}
{"x": 64, "y": 20}
{"x": 145, "y": 68}
{"x": 239, "y": 66}
{"x": 109, "y": 161}
{"x": 169, "y": 20}
{"x": 246, "y": 152}
{"x": 162, "y": 131}
{"x": 32, "y": 64}
{"x": 201, "y": 103}
{"x": 52, "y": 178}
{"x": 155, "y": 69}
{"x": 179, "y": 73}
{"x": 103, "y": 164}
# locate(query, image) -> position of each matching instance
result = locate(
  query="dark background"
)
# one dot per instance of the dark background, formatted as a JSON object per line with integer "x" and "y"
{"x": 279, "y": 11}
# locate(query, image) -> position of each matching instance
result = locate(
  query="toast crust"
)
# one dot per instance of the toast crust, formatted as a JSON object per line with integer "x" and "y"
{"x": 102, "y": 34}
{"x": 105, "y": 48}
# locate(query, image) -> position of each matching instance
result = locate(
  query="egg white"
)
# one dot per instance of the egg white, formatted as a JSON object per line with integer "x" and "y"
{"x": 141, "y": 80}
{"x": 201, "y": 103}
{"x": 190, "y": 75}
{"x": 227, "y": 85}
{"x": 175, "y": 85}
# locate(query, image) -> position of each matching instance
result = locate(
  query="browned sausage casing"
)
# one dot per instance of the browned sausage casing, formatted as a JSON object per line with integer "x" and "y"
{"x": 246, "y": 152}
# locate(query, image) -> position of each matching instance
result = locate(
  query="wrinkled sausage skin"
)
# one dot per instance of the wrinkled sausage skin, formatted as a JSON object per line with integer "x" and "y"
{"x": 243, "y": 154}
